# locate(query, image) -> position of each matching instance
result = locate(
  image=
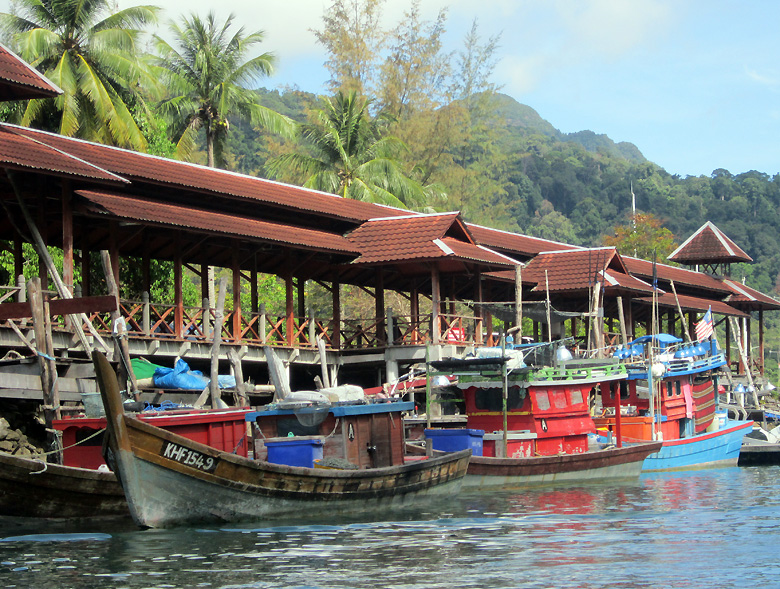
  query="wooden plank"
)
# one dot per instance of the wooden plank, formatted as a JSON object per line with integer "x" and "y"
{"x": 99, "y": 304}
{"x": 15, "y": 311}
{"x": 60, "y": 307}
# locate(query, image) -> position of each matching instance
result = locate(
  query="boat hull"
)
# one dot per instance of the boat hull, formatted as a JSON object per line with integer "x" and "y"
{"x": 170, "y": 480}
{"x": 613, "y": 464}
{"x": 31, "y": 488}
{"x": 708, "y": 450}
{"x": 164, "y": 490}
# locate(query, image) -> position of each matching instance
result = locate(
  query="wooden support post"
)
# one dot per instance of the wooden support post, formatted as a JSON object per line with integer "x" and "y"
{"x": 414, "y": 311}
{"x": 336, "y": 294}
{"x": 261, "y": 325}
{"x": 519, "y": 303}
{"x": 379, "y": 307}
{"x": 253, "y": 285}
{"x": 146, "y": 272}
{"x": 18, "y": 257}
{"x": 39, "y": 329}
{"x": 761, "y": 341}
{"x": 479, "y": 327}
{"x": 44, "y": 234}
{"x": 240, "y": 399}
{"x": 618, "y": 415}
{"x": 21, "y": 297}
{"x": 146, "y": 314}
{"x": 178, "y": 293}
{"x": 204, "y": 284}
{"x": 435, "y": 306}
{"x": 215, "y": 343}
{"x": 237, "y": 319}
{"x": 622, "y": 320}
{"x": 301, "y": 296}
{"x": 289, "y": 310}
{"x": 86, "y": 272}
{"x": 113, "y": 250}
{"x": 67, "y": 235}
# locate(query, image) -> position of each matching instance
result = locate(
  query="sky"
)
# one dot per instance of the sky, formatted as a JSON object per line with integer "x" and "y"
{"x": 694, "y": 84}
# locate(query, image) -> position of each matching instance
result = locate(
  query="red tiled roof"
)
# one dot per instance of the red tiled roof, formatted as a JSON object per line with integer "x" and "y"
{"x": 742, "y": 293}
{"x": 417, "y": 237}
{"x": 139, "y": 166}
{"x": 133, "y": 207}
{"x": 20, "y": 81}
{"x": 515, "y": 243}
{"x": 578, "y": 269}
{"x": 21, "y": 152}
{"x": 708, "y": 245}
{"x": 680, "y": 276}
{"x": 694, "y": 304}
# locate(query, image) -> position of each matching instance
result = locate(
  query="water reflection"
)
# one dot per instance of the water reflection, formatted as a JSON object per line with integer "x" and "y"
{"x": 699, "y": 529}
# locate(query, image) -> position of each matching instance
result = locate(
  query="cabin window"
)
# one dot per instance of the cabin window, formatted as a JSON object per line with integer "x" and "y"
{"x": 576, "y": 397}
{"x": 612, "y": 388}
{"x": 492, "y": 399}
{"x": 542, "y": 400}
{"x": 559, "y": 399}
{"x": 624, "y": 393}
{"x": 669, "y": 388}
{"x": 678, "y": 387}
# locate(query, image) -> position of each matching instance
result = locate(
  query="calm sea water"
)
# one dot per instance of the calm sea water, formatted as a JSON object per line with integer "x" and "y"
{"x": 709, "y": 529}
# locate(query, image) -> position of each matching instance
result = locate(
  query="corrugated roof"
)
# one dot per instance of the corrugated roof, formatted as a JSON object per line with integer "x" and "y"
{"x": 21, "y": 152}
{"x": 140, "y": 166}
{"x": 523, "y": 245}
{"x": 140, "y": 209}
{"x": 418, "y": 237}
{"x": 680, "y": 276}
{"x": 694, "y": 304}
{"x": 709, "y": 245}
{"x": 20, "y": 81}
{"x": 741, "y": 293}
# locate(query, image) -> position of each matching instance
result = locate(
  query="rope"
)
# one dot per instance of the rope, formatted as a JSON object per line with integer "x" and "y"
{"x": 58, "y": 450}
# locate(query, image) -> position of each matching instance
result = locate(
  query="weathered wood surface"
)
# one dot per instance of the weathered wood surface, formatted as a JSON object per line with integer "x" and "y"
{"x": 30, "y": 488}
{"x": 598, "y": 465}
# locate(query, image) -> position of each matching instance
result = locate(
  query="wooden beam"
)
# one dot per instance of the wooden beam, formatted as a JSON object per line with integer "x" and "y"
{"x": 67, "y": 234}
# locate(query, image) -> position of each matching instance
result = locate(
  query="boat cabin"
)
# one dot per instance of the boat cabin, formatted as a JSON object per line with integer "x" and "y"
{"x": 365, "y": 436}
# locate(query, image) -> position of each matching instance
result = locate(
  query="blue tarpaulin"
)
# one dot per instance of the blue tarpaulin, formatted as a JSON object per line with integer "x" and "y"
{"x": 181, "y": 377}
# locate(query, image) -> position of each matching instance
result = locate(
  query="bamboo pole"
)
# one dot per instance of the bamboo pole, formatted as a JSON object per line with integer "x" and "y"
{"x": 122, "y": 350}
{"x": 216, "y": 341}
{"x": 679, "y": 311}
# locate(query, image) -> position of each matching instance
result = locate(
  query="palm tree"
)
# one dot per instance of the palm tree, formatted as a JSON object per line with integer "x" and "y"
{"x": 91, "y": 54}
{"x": 351, "y": 157}
{"x": 204, "y": 73}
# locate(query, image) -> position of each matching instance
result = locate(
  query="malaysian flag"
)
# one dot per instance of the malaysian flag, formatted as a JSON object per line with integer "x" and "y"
{"x": 704, "y": 327}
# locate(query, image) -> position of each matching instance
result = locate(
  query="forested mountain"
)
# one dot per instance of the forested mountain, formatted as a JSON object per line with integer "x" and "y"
{"x": 577, "y": 187}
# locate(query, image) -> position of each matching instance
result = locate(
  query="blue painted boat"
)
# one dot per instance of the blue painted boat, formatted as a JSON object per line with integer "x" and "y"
{"x": 671, "y": 394}
{"x": 712, "y": 449}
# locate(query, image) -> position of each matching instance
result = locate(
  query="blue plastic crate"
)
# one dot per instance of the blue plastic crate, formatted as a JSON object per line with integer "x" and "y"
{"x": 294, "y": 451}
{"x": 453, "y": 440}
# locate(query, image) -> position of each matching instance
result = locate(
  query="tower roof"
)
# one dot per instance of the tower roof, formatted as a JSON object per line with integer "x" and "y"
{"x": 709, "y": 245}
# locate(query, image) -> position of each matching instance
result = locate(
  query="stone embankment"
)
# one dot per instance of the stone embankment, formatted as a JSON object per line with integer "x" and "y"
{"x": 14, "y": 441}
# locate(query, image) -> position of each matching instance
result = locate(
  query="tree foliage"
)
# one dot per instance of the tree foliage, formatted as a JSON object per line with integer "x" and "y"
{"x": 644, "y": 236}
{"x": 91, "y": 53}
{"x": 348, "y": 154}
{"x": 204, "y": 72}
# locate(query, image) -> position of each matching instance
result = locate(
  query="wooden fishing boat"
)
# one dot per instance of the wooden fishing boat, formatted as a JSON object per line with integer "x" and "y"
{"x": 32, "y": 488}
{"x": 592, "y": 466}
{"x": 671, "y": 395}
{"x": 169, "y": 480}
{"x": 82, "y": 487}
{"x": 535, "y": 424}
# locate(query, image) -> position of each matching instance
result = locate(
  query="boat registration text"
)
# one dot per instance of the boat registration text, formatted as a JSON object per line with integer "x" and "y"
{"x": 188, "y": 457}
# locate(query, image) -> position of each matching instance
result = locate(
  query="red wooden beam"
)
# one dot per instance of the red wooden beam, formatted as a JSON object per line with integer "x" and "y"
{"x": 61, "y": 307}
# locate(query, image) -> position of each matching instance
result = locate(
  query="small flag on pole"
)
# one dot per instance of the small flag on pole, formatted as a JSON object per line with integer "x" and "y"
{"x": 704, "y": 327}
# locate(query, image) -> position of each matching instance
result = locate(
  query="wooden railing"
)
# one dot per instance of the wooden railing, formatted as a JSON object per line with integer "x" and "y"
{"x": 161, "y": 321}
